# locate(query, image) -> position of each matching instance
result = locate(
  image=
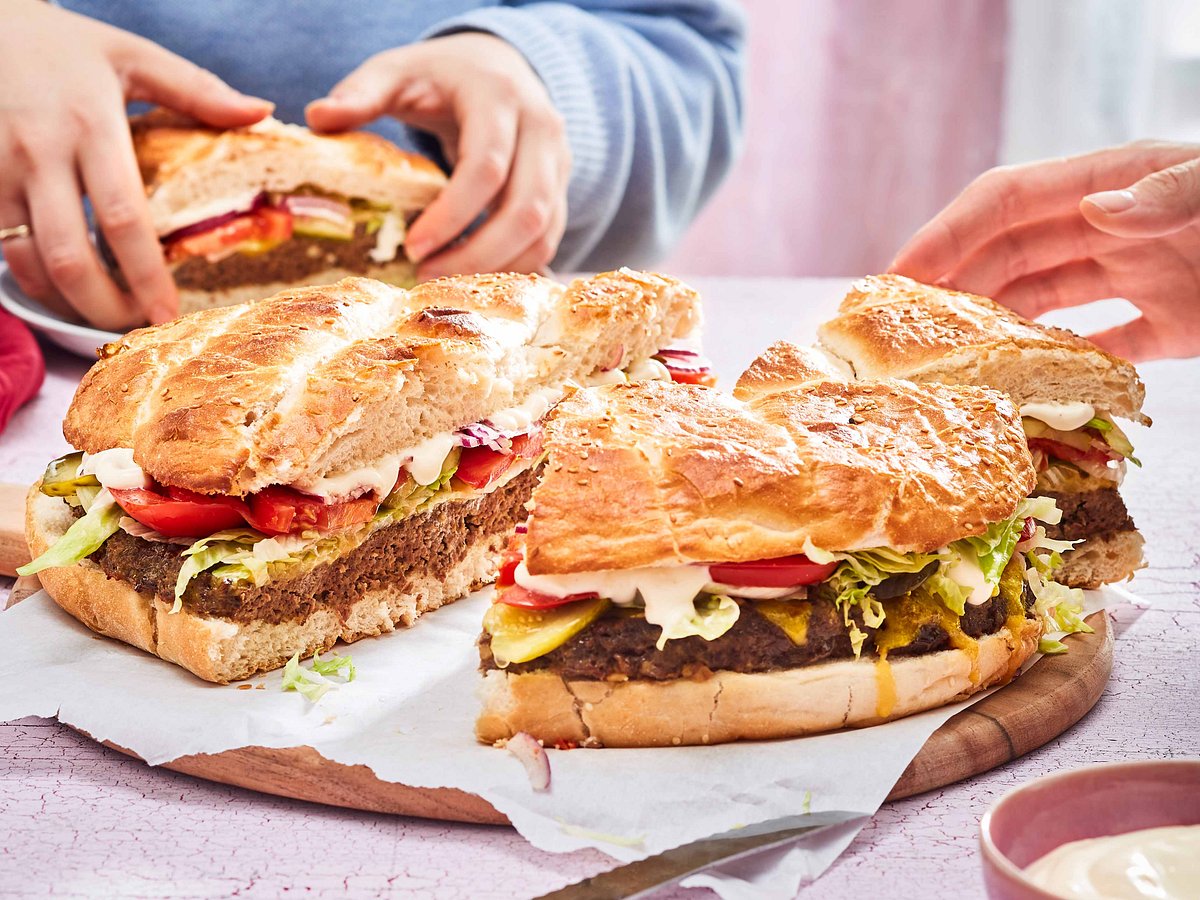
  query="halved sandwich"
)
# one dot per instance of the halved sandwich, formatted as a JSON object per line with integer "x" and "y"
{"x": 1069, "y": 393}
{"x": 326, "y": 464}
{"x": 809, "y": 554}
{"x": 245, "y": 213}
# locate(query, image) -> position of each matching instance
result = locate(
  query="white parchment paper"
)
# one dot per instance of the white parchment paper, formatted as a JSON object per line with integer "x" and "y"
{"x": 409, "y": 717}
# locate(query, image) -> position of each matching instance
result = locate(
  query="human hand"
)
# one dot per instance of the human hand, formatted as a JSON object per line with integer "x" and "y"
{"x": 1121, "y": 222}
{"x": 499, "y": 129}
{"x": 63, "y": 129}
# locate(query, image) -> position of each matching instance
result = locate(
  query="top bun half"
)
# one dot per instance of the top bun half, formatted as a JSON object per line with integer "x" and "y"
{"x": 327, "y": 379}
{"x": 188, "y": 167}
{"x": 890, "y": 326}
{"x": 657, "y": 474}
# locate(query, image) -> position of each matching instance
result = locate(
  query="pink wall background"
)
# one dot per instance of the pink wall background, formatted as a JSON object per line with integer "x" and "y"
{"x": 864, "y": 118}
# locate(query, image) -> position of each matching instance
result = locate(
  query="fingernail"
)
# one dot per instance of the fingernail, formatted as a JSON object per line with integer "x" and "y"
{"x": 1112, "y": 201}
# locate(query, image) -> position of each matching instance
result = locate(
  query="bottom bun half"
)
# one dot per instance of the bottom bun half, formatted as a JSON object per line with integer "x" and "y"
{"x": 731, "y": 706}
{"x": 1105, "y": 559}
{"x": 221, "y": 650}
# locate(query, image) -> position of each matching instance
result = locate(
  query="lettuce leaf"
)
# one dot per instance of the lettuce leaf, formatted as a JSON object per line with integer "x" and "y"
{"x": 1060, "y": 607}
{"x": 712, "y": 616}
{"x": 313, "y": 683}
{"x": 338, "y": 666}
{"x": 852, "y": 580}
{"x": 81, "y": 540}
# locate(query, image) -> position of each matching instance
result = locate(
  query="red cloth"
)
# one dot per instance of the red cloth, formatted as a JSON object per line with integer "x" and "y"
{"x": 22, "y": 368}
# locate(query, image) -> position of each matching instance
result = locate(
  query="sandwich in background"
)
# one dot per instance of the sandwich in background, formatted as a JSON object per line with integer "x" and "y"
{"x": 245, "y": 213}
{"x": 1069, "y": 393}
{"x": 325, "y": 464}
{"x": 809, "y": 554}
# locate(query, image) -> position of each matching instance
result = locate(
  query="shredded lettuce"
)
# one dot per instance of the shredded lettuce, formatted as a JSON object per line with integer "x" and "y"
{"x": 861, "y": 571}
{"x": 81, "y": 540}
{"x": 1114, "y": 437}
{"x": 338, "y": 666}
{"x": 1060, "y": 607}
{"x": 314, "y": 683}
{"x": 1051, "y": 647}
{"x": 712, "y": 616}
{"x": 851, "y": 582}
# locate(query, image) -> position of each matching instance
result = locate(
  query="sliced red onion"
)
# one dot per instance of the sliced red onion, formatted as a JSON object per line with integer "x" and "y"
{"x": 533, "y": 757}
{"x": 617, "y": 359}
{"x": 318, "y": 208}
{"x": 485, "y": 434}
{"x": 521, "y": 528}
{"x": 676, "y": 351}
{"x": 678, "y": 365}
{"x": 132, "y": 526}
{"x": 263, "y": 199}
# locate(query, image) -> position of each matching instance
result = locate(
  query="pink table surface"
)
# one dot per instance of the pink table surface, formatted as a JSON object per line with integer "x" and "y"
{"x": 79, "y": 820}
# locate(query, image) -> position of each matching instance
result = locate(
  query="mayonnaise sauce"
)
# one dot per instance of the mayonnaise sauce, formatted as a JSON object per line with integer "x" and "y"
{"x": 1163, "y": 863}
{"x": 966, "y": 571}
{"x": 1060, "y": 416}
{"x": 669, "y": 592}
{"x": 388, "y": 238}
{"x": 115, "y": 469}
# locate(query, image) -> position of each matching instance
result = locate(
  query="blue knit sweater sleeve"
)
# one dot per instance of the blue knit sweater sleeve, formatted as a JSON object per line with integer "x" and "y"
{"x": 652, "y": 96}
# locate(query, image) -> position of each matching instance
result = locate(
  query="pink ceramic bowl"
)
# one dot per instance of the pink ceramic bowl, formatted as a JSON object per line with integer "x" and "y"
{"x": 1030, "y": 821}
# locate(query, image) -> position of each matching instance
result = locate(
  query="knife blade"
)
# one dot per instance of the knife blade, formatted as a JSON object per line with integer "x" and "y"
{"x": 641, "y": 878}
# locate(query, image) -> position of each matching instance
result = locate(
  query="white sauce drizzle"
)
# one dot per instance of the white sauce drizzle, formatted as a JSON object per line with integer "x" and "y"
{"x": 115, "y": 469}
{"x": 966, "y": 571}
{"x": 669, "y": 592}
{"x": 1060, "y": 416}
{"x": 388, "y": 238}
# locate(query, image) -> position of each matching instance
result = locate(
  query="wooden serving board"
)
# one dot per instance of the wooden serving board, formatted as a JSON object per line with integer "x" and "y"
{"x": 1054, "y": 694}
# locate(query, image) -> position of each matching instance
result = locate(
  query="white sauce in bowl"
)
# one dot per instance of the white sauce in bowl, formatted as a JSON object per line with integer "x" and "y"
{"x": 1160, "y": 863}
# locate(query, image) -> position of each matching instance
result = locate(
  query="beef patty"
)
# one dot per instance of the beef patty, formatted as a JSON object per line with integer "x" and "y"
{"x": 621, "y": 644}
{"x": 293, "y": 260}
{"x": 426, "y": 544}
{"x": 1088, "y": 514}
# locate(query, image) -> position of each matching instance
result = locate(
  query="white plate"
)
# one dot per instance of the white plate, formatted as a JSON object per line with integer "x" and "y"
{"x": 82, "y": 340}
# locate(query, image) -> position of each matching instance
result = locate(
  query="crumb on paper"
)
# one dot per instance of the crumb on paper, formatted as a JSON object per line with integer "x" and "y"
{"x": 245, "y": 687}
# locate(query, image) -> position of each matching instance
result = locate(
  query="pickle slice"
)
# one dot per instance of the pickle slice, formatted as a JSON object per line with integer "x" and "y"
{"x": 62, "y": 478}
{"x": 520, "y": 634}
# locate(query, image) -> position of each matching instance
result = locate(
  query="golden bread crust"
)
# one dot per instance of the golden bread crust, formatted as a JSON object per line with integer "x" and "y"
{"x": 660, "y": 474}
{"x": 184, "y": 163}
{"x": 890, "y": 326}
{"x": 326, "y": 378}
{"x": 731, "y": 706}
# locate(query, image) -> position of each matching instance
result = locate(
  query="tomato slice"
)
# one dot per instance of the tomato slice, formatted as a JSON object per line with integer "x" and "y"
{"x": 785, "y": 571}
{"x": 480, "y": 466}
{"x": 178, "y": 517}
{"x": 508, "y": 567}
{"x": 281, "y": 510}
{"x": 1072, "y": 454}
{"x": 515, "y": 595}
{"x": 256, "y": 231}
{"x": 703, "y": 377}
